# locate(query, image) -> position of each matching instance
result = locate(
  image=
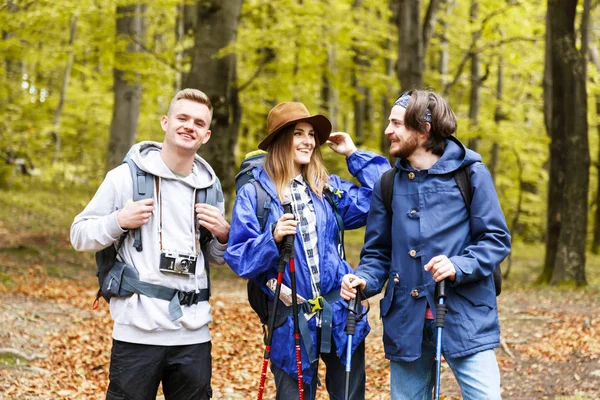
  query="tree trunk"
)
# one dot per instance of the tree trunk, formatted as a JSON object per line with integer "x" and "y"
{"x": 409, "y": 68}
{"x": 184, "y": 27}
{"x": 127, "y": 86}
{"x": 63, "y": 90}
{"x": 498, "y": 117}
{"x": 13, "y": 68}
{"x": 474, "y": 97}
{"x": 216, "y": 28}
{"x": 595, "y": 59}
{"x": 444, "y": 44}
{"x": 360, "y": 91}
{"x": 569, "y": 150}
{"x": 388, "y": 98}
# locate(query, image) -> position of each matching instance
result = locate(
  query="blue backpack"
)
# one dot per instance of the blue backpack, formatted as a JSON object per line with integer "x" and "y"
{"x": 118, "y": 279}
{"x": 258, "y": 299}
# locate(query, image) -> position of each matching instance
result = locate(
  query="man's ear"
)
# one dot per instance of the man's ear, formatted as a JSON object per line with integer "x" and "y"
{"x": 207, "y": 136}
{"x": 163, "y": 122}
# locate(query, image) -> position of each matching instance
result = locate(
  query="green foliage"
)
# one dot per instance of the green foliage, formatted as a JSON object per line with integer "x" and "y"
{"x": 286, "y": 50}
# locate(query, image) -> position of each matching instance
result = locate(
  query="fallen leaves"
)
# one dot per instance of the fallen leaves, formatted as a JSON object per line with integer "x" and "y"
{"x": 77, "y": 344}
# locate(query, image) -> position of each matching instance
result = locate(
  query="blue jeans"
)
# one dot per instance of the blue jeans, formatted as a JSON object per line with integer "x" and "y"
{"x": 478, "y": 375}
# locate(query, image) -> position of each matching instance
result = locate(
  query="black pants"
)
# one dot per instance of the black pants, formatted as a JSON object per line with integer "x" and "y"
{"x": 136, "y": 370}
{"x": 335, "y": 378}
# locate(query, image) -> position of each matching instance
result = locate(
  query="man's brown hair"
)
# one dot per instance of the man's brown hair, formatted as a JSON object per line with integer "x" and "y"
{"x": 443, "y": 120}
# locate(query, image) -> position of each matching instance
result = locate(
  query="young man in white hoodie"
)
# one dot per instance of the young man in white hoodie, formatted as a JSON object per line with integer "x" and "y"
{"x": 148, "y": 345}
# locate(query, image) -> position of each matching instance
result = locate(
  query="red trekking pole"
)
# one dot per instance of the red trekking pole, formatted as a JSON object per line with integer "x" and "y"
{"x": 286, "y": 254}
{"x": 287, "y": 208}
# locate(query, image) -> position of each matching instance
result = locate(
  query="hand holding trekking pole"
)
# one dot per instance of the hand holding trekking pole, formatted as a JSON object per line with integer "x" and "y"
{"x": 440, "y": 316}
{"x": 350, "y": 283}
{"x": 286, "y": 226}
{"x": 441, "y": 268}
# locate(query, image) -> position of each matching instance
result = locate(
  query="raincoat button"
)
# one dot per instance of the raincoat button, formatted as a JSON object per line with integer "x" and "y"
{"x": 412, "y": 253}
{"x": 411, "y": 175}
{"x": 413, "y": 211}
{"x": 414, "y": 293}
{"x": 396, "y": 279}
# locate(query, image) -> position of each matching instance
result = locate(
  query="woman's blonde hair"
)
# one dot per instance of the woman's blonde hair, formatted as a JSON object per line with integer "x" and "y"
{"x": 279, "y": 164}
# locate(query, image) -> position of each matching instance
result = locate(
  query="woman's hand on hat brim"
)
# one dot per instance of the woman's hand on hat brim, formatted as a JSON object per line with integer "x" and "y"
{"x": 341, "y": 143}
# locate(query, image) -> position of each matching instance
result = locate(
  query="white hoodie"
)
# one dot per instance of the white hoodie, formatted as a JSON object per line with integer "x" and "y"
{"x": 140, "y": 319}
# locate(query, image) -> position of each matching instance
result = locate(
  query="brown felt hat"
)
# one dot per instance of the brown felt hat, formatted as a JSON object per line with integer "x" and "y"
{"x": 288, "y": 113}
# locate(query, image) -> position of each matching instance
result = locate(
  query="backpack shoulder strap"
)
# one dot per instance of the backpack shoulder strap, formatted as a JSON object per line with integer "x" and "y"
{"x": 463, "y": 181}
{"x": 387, "y": 188}
{"x": 332, "y": 199}
{"x": 263, "y": 204}
{"x": 143, "y": 188}
{"x": 212, "y": 195}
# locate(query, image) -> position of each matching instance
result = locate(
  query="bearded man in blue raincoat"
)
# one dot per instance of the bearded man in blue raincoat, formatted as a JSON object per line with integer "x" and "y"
{"x": 432, "y": 235}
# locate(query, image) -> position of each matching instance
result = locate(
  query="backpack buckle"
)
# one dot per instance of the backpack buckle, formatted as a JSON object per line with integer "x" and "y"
{"x": 187, "y": 298}
{"x": 317, "y": 304}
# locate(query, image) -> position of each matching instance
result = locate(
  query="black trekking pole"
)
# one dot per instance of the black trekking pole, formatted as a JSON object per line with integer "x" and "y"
{"x": 353, "y": 318}
{"x": 287, "y": 208}
{"x": 286, "y": 253}
{"x": 440, "y": 316}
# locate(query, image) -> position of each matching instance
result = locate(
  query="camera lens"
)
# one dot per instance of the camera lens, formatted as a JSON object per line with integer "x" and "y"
{"x": 184, "y": 265}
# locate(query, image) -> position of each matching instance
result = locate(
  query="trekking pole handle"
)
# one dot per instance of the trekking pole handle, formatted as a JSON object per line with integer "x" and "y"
{"x": 353, "y": 311}
{"x": 288, "y": 241}
{"x": 440, "y": 307}
{"x": 440, "y": 290}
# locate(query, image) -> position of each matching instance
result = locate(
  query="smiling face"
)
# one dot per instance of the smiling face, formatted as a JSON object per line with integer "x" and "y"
{"x": 186, "y": 126}
{"x": 403, "y": 142}
{"x": 303, "y": 144}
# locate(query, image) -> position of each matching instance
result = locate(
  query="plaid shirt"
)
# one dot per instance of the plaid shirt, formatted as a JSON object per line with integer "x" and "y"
{"x": 304, "y": 211}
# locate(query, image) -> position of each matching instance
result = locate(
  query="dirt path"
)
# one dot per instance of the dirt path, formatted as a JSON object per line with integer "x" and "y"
{"x": 55, "y": 347}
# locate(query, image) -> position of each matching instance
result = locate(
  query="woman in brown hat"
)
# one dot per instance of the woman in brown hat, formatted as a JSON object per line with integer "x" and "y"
{"x": 323, "y": 205}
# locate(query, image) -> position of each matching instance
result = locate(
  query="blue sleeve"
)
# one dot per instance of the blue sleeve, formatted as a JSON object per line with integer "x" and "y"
{"x": 490, "y": 238}
{"x": 355, "y": 200}
{"x": 250, "y": 252}
{"x": 376, "y": 255}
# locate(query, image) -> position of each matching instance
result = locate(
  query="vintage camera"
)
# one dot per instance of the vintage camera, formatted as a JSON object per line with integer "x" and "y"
{"x": 176, "y": 263}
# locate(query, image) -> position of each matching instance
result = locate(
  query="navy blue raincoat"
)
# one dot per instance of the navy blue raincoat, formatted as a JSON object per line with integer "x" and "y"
{"x": 251, "y": 252}
{"x": 430, "y": 218}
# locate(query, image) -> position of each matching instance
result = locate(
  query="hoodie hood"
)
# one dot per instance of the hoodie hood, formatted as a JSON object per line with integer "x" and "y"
{"x": 455, "y": 156}
{"x": 146, "y": 155}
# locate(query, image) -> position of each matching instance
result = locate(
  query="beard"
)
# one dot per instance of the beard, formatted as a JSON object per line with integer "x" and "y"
{"x": 407, "y": 147}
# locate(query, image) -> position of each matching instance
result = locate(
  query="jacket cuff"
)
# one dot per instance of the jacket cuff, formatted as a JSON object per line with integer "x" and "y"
{"x": 358, "y": 160}
{"x": 113, "y": 227}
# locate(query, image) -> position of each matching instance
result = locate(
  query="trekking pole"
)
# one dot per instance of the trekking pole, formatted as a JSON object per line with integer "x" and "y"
{"x": 287, "y": 208}
{"x": 440, "y": 315}
{"x": 286, "y": 253}
{"x": 353, "y": 310}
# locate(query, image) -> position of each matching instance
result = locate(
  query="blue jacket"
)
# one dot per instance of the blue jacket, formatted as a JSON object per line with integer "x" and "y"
{"x": 431, "y": 218}
{"x": 251, "y": 252}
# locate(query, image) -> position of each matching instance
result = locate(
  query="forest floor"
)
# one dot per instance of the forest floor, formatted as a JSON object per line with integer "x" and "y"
{"x": 54, "y": 346}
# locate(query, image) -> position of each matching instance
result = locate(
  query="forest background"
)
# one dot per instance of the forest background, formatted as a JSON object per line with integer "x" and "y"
{"x": 81, "y": 81}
